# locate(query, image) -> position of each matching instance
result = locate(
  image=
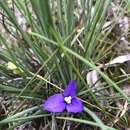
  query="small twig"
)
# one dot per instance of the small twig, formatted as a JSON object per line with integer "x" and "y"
{"x": 5, "y": 27}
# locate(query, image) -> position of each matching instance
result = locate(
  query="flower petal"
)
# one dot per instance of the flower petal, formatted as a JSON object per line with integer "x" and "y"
{"x": 55, "y": 103}
{"x": 70, "y": 89}
{"x": 76, "y": 106}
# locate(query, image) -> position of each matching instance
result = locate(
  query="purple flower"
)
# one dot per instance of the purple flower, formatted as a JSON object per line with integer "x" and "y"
{"x": 66, "y": 100}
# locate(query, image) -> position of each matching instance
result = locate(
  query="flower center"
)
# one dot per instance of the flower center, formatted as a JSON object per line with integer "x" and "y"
{"x": 68, "y": 99}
